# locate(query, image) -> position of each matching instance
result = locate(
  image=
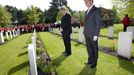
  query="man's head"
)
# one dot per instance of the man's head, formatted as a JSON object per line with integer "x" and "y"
{"x": 126, "y": 15}
{"x": 64, "y": 10}
{"x": 88, "y": 3}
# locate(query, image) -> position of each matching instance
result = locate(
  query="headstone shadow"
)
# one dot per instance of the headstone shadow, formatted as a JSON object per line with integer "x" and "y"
{"x": 24, "y": 53}
{"x": 24, "y": 47}
{"x": 28, "y": 42}
{"x": 77, "y": 43}
{"x": 57, "y": 61}
{"x": 17, "y": 68}
{"x": 88, "y": 71}
{"x": 127, "y": 65}
{"x": 104, "y": 36}
{"x": 55, "y": 34}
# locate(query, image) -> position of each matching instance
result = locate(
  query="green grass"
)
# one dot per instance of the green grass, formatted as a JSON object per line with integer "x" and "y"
{"x": 103, "y": 39}
{"x": 13, "y": 56}
{"x": 117, "y": 28}
{"x": 105, "y": 42}
{"x": 74, "y": 64}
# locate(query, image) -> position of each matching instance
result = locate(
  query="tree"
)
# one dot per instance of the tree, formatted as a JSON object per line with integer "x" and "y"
{"x": 5, "y": 17}
{"x": 13, "y": 11}
{"x": 114, "y": 15}
{"x": 21, "y": 17}
{"x": 41, "y": 15}
{"x": 130, "y": 9}
{"x": 52, "y": 12}
{"x": 32, "y": 15}
{"x": 124, "y": 7}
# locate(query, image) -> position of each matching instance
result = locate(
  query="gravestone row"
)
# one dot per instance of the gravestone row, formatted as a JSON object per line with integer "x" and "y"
{"x": 32, "y": 55}
{"x": 124, "y": 40}
{"x": 11, "y": 33}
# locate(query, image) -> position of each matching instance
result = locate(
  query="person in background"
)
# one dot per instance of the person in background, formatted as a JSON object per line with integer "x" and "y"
{"x": 126, "y": 22}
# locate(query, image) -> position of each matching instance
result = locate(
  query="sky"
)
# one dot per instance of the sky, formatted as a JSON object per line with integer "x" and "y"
{"x": 44, "y": 4}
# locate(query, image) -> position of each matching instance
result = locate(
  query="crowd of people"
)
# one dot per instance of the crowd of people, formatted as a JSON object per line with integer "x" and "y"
{"x": 29, "y": 28}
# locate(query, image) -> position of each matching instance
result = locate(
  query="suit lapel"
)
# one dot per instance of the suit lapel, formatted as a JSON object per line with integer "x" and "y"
{"x": 90, "y": 12}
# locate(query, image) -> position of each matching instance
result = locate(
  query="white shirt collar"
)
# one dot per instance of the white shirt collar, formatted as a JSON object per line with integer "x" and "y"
{"x": 90, "y": 8}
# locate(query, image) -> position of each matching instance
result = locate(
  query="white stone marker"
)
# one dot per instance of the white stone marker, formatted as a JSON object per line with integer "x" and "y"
{"x": 2, "y": 37}
{"x": 71, "y": 36}
{"x": 34, "y": 43}
{"x": 131, "y": 29}
{"x": 18, "y": 31}
{"x": 7, "y": 35}
{"x": 32, "y": 59}
{"x": 81, "y": 36}
{"x": 11, "y": 36}
{"x": 13, "y": 33}
{"x": 124, "y": 44}
{"x": 34, "y": 33}
{"x": 111, "y": 31}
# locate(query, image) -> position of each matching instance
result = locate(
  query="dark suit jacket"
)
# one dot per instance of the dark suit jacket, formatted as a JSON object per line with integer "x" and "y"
{"x": 66, "y": 24}
{"x": 92, "y": 22}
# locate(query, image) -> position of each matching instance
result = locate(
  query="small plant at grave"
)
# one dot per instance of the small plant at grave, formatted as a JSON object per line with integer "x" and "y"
{"x": 39, "y": 46}
{"x": 45, "y": 66}
{"x": 39, "y": 51}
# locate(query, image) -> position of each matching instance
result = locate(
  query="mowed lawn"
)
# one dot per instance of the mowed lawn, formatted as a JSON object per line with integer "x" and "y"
{"x": 74, "y": 64}
{"x": 103, "y": 39}
{"x": 13, "y": 56}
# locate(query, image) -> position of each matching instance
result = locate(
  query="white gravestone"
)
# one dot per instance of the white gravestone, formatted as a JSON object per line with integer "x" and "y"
{"x": 131, "y": 29}
{"x": 71, "y": 36}
{"x": 7, "y": 35}
{"x": 34, "y": 33}
{"x": 32, "y": 59}
{"x": 111, "y": 31}
{"x": 13, "y": 33}
{"x": 34, "y": 43}
{"x": 11, "y": 36}
{"x": 18, "y": 31}
{"x": 81, "y": 35}
{"x": 2, "y": 37}
{"x": 124, "y": 44}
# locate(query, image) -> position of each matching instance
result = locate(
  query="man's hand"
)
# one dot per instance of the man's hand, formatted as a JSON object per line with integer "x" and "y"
{"x": 95, "y": 38}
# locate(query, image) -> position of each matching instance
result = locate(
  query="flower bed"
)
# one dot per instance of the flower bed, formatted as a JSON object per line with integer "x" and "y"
{"x": 44, "y": 63}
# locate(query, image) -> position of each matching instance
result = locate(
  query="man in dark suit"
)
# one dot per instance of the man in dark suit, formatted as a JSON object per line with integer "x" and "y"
{"x": 92, "y": 24}
{"x": 66, "y": 31}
